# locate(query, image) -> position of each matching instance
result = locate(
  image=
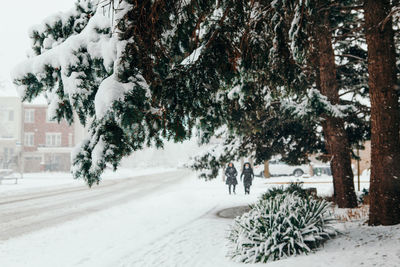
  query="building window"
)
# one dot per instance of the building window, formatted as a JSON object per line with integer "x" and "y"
{"x": 6, "y": 115}
{"x": 11, "y": 115}
{"x": 53, "y": 139}
{"x": 29, "y": 115}
{"x": 29, "y": 139}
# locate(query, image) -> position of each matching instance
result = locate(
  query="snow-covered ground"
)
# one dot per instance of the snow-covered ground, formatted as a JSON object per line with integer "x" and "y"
{"x": 178, "y": 226}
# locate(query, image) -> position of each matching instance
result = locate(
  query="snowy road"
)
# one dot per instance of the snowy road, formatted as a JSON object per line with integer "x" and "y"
{"x": 28, "y": 212}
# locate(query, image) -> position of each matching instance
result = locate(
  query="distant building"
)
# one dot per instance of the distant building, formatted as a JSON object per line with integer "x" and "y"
{"x": 10, "y": 129}
{"x": 29, "y": 141}
{"x": 47, "y": 145}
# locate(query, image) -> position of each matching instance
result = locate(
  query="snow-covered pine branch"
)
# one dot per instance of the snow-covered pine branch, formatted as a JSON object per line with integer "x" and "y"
{"x": 156, "y": 70}
{"x": 123, "y": 76}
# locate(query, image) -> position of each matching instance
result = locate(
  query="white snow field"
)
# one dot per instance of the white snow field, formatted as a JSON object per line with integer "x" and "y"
{"x": 165, "y": 219}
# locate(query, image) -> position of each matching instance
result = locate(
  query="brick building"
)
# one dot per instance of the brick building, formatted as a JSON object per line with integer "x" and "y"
{"x": 47, "y": 145}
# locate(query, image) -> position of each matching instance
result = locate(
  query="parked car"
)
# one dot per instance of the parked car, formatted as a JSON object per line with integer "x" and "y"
{"x": 279, "y": 168}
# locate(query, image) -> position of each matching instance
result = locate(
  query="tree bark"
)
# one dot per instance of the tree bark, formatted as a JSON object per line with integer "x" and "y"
{"x": 336, "y": 140}
{"x": 266, "y": 169}
{"x": 385, "y": 116}
{"x": 223, "y": 172}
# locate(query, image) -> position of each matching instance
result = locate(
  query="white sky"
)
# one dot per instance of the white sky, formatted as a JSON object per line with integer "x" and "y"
{"x": 16, "y": 17}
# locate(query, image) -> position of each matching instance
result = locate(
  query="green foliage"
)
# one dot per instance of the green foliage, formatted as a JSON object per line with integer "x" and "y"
{"x": 70, "y": 81}
{"x": 273, "y": 105}
{"x": 280, "y": 226}
{"x": 58, "y": 28}
{"x": 292, "y": 188}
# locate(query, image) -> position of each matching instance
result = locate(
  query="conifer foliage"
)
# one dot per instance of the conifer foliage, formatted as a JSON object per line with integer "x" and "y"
{"x": 128, "y": 73}
{"x": 147, "y": 71}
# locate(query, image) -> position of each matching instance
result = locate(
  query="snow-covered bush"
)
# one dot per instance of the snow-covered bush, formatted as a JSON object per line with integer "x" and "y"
{"x": 293, "y": 187}
{"x": 280, "y": 226}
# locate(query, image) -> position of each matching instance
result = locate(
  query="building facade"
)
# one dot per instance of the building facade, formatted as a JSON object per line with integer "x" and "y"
{"x": 10, "y": 131}
{"x": 47, "y": 145}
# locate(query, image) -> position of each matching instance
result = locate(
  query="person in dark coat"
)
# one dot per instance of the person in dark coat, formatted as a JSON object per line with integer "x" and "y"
{"x": 247, "y": 176}
{"x": 231, "y": 180}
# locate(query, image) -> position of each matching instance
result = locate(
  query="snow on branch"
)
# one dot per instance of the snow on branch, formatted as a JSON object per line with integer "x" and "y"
{"x": 315, "y": 103}
{"x": 64, "y": 72}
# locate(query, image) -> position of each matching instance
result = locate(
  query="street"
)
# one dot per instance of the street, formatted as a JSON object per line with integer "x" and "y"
{"x": 25, "y": 213}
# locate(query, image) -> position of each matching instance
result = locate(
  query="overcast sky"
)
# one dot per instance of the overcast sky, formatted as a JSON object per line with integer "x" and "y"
{"x": 16, "y": 17}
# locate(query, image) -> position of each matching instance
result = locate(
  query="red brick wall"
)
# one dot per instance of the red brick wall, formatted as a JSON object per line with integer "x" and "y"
{"x": 40, "y": 127}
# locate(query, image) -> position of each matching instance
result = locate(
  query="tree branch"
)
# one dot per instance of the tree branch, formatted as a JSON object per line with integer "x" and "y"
{"x": 392, "y": 12}
{"x": 352, "y": 56}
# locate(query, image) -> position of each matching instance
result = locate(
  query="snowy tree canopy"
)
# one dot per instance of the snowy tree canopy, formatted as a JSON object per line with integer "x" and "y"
{"x": 141, "y": 72}
{"x": 129, "y": 74}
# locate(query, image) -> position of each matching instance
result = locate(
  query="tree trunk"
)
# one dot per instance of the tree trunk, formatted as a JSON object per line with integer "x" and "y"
{"x": 385, "y": 145}
{"x": 266, "y": 169}
{"x": 223, "y": 172}
{"x": 335, "y": 135}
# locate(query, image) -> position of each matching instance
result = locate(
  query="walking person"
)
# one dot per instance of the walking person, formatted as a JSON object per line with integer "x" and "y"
{"x": 247, "y": 176}
{"x": 231, "y": 180}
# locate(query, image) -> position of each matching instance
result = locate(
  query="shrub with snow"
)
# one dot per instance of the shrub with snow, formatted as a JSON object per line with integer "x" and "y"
{"x": 280, "y": 226}
{"x": 291, "y": 188}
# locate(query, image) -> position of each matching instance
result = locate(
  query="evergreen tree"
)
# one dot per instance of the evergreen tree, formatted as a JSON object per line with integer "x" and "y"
{"x": 135, "y": 83}
{"x": 154, "y": 70}
{"x": 288, "y": 91}
{"x": 334, "y": 129}
{"x": 318, "y": 63}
